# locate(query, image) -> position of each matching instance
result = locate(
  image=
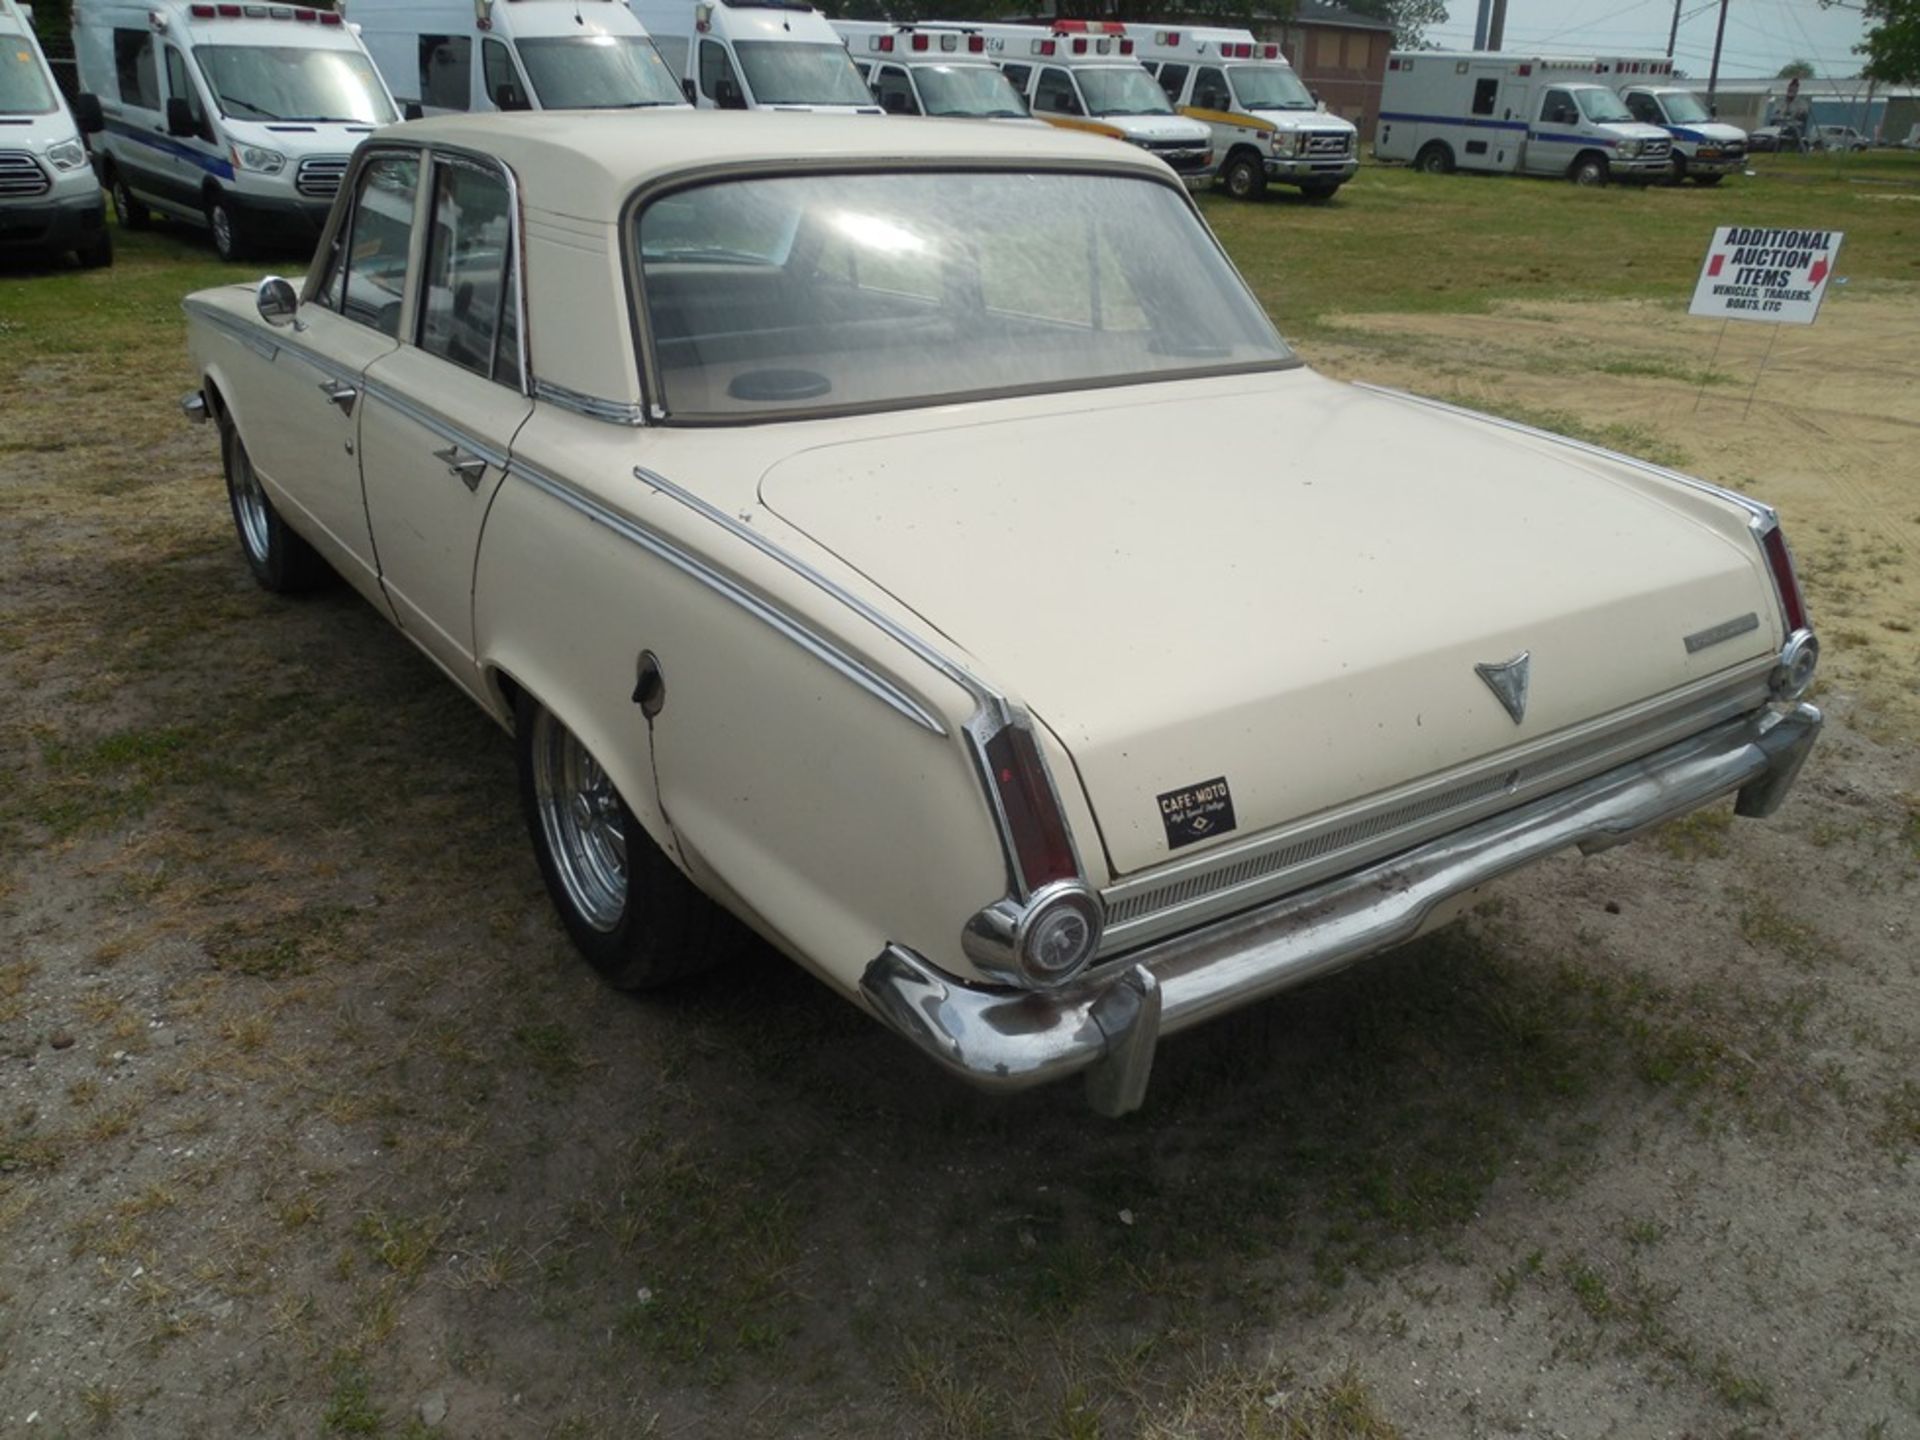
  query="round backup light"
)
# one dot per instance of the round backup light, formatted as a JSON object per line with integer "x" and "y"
{"x": 1799, "y": 658}
{"x": 1060, "y": 935}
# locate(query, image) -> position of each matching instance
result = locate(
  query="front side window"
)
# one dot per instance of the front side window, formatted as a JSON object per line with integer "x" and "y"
{"x": 599, "y": 72}
{"x": 976, "y": 91}
{"x": 469, "y": 267}
{"x": 367, "y": 274}
{"x": 796, "y": 73}
{"x": 1173, "y": 79}
{"x": 134, "y": 67}
{"x": 1210, "y": 90}
{"x": 1018, "y": 76}
{"x": 1270, "y": 87}
{"x": 446, "y": 82}
{"x": 1053, "y": 92}
{"x": 180, "y": 86}
{"x": 294, "y": 82}
{"x": 894, "y": 91}
{"x": 1603, "y": 107}
{"x": 23, "y": 85}
{"x": 717, "y": 80}
{"x": 778, "y": 296}
{"x": 1122, "y": 90}
{"x": 1557, "y": 109}
{"x": 1684, "y": 108}
{"x": 501, "y": 79}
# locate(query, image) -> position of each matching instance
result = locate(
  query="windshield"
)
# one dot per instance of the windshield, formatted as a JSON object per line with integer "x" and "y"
{"x": 804, "y": 293}
{"x": 1121, "y": 90}
{"x": 1603, "y": 107}
{"x": 294, "y": 82}
{"x": 598, "y": 72}
{"x": 1683, "y": 108}
{"x": 787, "y": 72}
{"x": 23, "y": 85}
{"x": 1269, "y": 87}
{"x": 979, "y": 91}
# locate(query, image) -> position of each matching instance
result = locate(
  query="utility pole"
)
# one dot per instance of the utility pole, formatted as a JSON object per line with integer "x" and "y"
{"x": 1497, "y": 26}
{"x": 1713, "y": 76}
{"x": 1673, "y": 31}
{"x": 1480, "y": 24}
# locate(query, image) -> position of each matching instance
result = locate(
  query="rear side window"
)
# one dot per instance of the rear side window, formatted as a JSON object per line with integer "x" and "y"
{"x": 445, "y": 76}
{"x": 468, "y": 290}
{"x": 1484, "y": 93}
{"x": 1172, "y": 79}
{"x": 1557, "y": 109}
{"x": 134, "y": 67}
{"x": 367, "y": 276}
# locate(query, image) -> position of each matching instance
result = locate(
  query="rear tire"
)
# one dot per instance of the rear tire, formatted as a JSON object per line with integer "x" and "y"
{"x": 133, "y": 214}
{"x": 280, "y": 560}
{"x": 626, "y": 907}
{"x": 1679, "y": 174}
{"x": 1434, "y": 159}
{"x": 1244, "y": 176}
{"x": 1589, "y": 170}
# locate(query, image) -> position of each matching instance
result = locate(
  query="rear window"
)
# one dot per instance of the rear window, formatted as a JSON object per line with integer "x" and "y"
{"x": 809, "y": 293}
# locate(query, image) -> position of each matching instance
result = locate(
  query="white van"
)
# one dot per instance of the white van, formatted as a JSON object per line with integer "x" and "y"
{"x": 935, "y": 70}
{"x": 756, "y": 55}
{"x": 1704, "y": 149}
{"x": 1536, "y": 115}
{"x": 49, "y": 198}
{"x": 458, "y": 55}
{"x": 1266, "y": 125}
{"x": 226, "y": 113}
{"x": 1082, "y": 74}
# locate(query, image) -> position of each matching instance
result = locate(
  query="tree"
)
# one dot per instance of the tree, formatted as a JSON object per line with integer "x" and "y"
{"x": 1796, "y": 70}
{"x": 1893, "y": 44}
{"x": 1409, "y": 18}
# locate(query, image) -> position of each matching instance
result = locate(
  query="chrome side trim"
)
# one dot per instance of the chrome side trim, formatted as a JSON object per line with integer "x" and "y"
{"x": 248, "y": 335}
{"x": 427, "y": 420}
{"x": 812, "y": 641}
{"x": 1006, "y": 1040}
{"x": 1180, "y": 895}
{"x": 619, "y": 412}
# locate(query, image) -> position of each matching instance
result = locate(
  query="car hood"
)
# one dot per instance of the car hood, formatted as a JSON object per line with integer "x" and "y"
{"x": 1285, "y": 584}
{"x": 1721, "y": 134}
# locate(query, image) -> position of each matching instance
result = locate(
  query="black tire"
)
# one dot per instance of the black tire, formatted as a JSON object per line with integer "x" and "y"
{"x": 1589, "y": 171}
{"x": 280, "y": 560}
{"x": 133, "y": 214}
{"x": 1319, "y": 194}
{"x": 224, "y": 224}
{"x": 1434, "y": 159}
{"x": 637, "y": 919}
{"x": 1679, "y": 171}
{"x": 96, "y": 252}
{"x": 1708, "y": 179}
{"x": 1244, "y": 176}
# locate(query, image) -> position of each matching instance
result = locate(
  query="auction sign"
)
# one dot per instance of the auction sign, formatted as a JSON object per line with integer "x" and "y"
{"x": 1752, "y": 273}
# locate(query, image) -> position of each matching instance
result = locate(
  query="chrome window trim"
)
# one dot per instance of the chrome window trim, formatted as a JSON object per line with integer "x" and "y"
{"x": 1171, "y": 897}
{"x": 498, "y": 169}
{"x": 593, "y": 407}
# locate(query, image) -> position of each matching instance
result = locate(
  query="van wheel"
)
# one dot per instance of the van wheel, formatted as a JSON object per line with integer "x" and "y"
{"x": 229, "y": 241}
{"x": 280, "y": 560}
{"x": 627, "y": 908}
{"x": 1435, "y": 159}
{"x": 132, "y": 213}
{"x": 96, "y": 253}
{"x": 1679, "y": 173}
{"x": 1589, "y": 170}
{"x": 1244, "y": 176}
{"x": 1708, "y": 179}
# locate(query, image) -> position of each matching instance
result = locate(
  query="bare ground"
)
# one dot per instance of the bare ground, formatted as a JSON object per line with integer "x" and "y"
{"x": 311, "y": 1124}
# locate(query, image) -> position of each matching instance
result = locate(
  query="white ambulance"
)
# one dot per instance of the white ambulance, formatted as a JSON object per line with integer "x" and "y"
{"x": 1083, "y": 74}
{"x": 1266, "y": 124}
{"x": 225, "y": 113}
{"x": 939, "y": 70}
{"x": 755, "y": 55}
{"x": 50, "y": 200}
{"x": 460, "y": 55}
{"x": 1531, "y": 114}
{"x": 1704, "y": 149}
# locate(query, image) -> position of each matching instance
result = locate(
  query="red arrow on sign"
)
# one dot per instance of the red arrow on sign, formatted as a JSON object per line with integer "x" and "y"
{"x": 1713, "y": 265}
{"x": 1819, "y": 271}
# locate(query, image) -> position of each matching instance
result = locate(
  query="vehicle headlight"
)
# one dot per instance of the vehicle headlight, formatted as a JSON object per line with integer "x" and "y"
{"x": 1284, "y": 142}
{"x": 1630, "y": 148}
{"x": 259, "y": 159}
{"x": 67, "y": 155}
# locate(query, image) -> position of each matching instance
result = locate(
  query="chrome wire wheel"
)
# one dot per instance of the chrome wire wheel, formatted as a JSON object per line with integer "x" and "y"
{"x": 583, "y": 823}
{"x": 250, "y": 508}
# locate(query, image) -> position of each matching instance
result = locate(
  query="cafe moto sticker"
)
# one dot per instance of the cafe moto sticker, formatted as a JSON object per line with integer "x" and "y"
{"x": 1755, "y": 273}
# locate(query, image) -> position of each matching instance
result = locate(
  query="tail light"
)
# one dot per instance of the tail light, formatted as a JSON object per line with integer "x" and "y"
{"x": 1785, "y": 582}
{"x": 1800, "y": 656}
{"x": 976, "y": 44}
{"x": 1038, "y": 829}
{"x": 919, "y": 42}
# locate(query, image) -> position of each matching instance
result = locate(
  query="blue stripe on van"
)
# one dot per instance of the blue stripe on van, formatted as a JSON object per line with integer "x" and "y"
{"x": 212, "y": 164}
{"x": 1454, "y": 120}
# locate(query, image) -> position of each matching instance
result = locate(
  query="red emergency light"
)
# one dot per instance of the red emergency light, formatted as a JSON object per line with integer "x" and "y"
{"x": 1080, "y": 45}
{"x": 883, "y": 43}
{"x": 1043, "y": 47}
{"x": 1126, "y": 46}
{"x": 919, "y": 42}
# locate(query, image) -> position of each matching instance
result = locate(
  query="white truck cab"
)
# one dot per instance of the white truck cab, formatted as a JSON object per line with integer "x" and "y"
{"x": 50, "y": 199}
{"x": 1704, "y": 149}
{"x": 1496, "y": 111}
{"x": 229, "y": 114}
{"x": 1266, "y": 124}
{"x": 939, "y": 70}
{"x": 1083, "y": 75}
{"x": 756, "y": 55}
{"x": 451, "y": 56}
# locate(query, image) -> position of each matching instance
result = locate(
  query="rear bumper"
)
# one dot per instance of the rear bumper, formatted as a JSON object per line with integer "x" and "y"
{"x": 1008, "y": 1040}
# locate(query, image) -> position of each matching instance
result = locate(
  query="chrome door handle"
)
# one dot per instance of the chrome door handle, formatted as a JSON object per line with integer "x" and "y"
{"x": 468, "y": 467}
{"x": 341, "y": 395}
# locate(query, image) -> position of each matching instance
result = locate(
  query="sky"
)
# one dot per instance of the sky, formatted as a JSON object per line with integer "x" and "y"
{"x": 1762, "y": 35}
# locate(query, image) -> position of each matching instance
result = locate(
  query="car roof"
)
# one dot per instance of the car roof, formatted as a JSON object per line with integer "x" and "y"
{"x": 587, "y": 163}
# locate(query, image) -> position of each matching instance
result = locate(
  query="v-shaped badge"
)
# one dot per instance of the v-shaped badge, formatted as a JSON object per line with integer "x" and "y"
{"x": 1508, "y": 681}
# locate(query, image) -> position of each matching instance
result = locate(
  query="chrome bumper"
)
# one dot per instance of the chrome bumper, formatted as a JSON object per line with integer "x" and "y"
{"x": 1109, "y": 1026}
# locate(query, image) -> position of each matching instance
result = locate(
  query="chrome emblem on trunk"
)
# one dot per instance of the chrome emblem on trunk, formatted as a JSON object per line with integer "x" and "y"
{"x": 1508, "y": 681}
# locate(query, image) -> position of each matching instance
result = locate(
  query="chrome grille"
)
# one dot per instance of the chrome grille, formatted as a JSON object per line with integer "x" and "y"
{"x": 1180, "y": 896}
{"x": 319, "y": 177}
{"x": 1184, "y": 155}
{"x": 1656, "y": 150}
{"x": 1324, "y": 142}
{"x": 21, "y": 175}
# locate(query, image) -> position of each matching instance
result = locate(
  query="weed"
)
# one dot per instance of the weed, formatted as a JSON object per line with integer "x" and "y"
{"x": 350, "y": 1409}
{"x": 401, "y": 1243}
{"x": 1701, "y": 835}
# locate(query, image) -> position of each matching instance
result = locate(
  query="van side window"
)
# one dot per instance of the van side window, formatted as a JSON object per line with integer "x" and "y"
{"x": 468, "y": 270}
{"x": 1210, "y": 90}
{"x": 1018, "y": 76}
{"x": 180, "y": 86}
{"x": 1173, "y": 79}
{"x": 502, "y": 80}
{"x": 717, "y": 80}
{"x": 133, "y": 65}
{"x": 367, "y": 275}
{"x": 1642, "y": 107}
{"x": 1557, "y": 109}
{"x": 446, "y": 81}
{"x": 1485, "y": 92}
{"x": 894, "y": 91}
{"x": 1054, "y": 92}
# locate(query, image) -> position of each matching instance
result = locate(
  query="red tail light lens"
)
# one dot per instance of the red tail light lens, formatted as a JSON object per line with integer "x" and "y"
{"x": 1785, "y": 582}
{"x": 919, "y": 42}
{"x": 976, "y": 43}
{"x": 1038, "y": 829}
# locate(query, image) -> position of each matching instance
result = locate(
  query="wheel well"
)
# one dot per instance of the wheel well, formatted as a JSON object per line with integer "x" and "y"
{"x": 1433, "y": 147}
{"x": 508, "y": 689}
{"x": 1586, "y": 155}
{"x": 216, "y": 402}
{"x": 1237, "y": 151}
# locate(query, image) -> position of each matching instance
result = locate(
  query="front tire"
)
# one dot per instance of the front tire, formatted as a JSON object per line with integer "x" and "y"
{"x": 280, "y": 560}
{"x": 1319, "y": 194}
{"x": 96, "y": 253}
{"x": 1679, "y": 173}
{"x": 1708, "y": 180}
{"x": 223, "y": 223}
{"x": 133, "y": 214}
{"x": 1244, "y": 176}
{"x": 627, "y": 909}
{"x": 1589, "y": 171}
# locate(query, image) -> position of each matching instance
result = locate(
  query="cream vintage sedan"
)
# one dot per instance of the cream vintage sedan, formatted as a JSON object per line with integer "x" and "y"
{"x": 914, "y": 539}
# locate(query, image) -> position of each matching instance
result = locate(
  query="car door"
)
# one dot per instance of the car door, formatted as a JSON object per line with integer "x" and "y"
{"x": 300, "y": 415}
{"x": 894, "y": 90}
{"x": 1554, "y": 137}
{"x": 135, "y": 122}
{"x": 440, "y": 413}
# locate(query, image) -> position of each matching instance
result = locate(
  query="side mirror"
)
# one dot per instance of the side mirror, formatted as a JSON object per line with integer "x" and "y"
{"x": 412, "y": 110}
{"x": 895, "y": 103}
{"x": 693, "y": 95}
{"x": 277, "y": 302}
{"x": 726, "y": 94}
{"x": 508, "y": 97}
{"x": 87, "y": 114}
{"x": 180, "y": 117}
